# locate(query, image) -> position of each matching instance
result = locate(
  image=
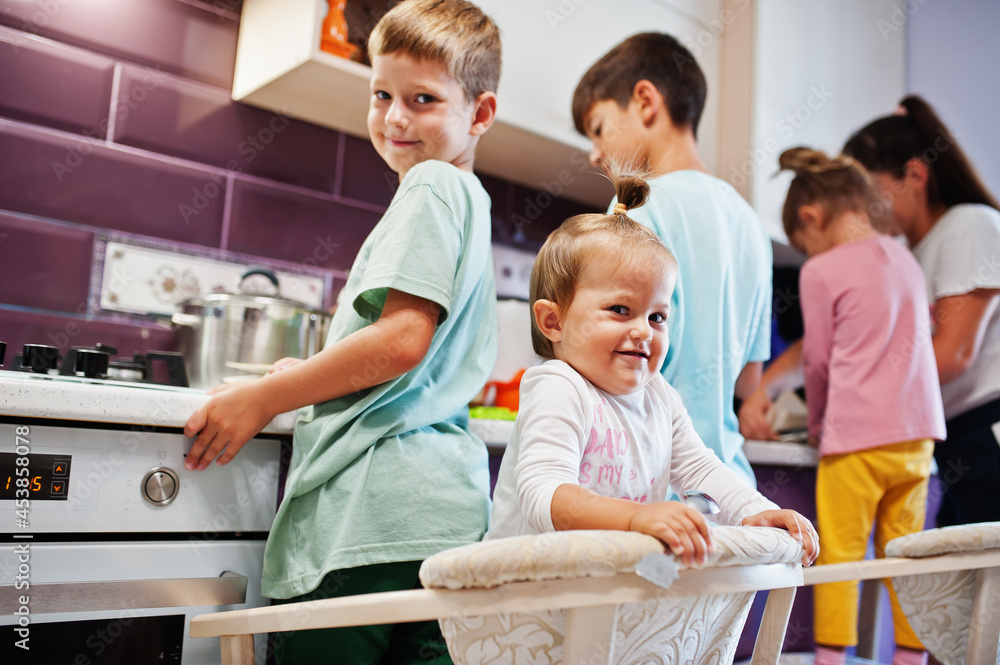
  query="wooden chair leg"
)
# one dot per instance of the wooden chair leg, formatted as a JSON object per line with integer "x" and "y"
{"x": 589, "y": 637}
{"x": 984, "y": 625}
{"x": 773, "y": 625}
{"x": 237, "y": 649}
{"x": 869, "y": 619}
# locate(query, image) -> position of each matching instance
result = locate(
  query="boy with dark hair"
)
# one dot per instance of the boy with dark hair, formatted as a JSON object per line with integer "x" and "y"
{"x": 641, "y": 103}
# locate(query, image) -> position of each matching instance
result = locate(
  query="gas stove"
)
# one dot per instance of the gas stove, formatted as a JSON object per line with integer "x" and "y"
{"x": 119, "y": 538}
{"x": 98, "y": 362}
{"x": 90, "y": 386}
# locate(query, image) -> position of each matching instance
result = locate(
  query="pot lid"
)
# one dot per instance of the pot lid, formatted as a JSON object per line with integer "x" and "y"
{"x": 246, "y": 300}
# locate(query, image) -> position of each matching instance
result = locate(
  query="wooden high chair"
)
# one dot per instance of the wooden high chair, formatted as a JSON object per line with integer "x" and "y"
{"x": 574, "y": 595}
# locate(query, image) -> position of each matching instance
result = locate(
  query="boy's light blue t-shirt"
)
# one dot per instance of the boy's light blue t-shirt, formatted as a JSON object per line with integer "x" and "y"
{"x": 391, "y": 473}
{"x": 720, "y": 316}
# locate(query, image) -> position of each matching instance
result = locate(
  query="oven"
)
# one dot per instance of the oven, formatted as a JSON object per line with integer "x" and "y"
{"x": 109, "y": 546}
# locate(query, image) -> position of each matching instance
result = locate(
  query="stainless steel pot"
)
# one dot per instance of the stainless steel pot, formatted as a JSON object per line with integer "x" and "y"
{"x": 225, "y": 335}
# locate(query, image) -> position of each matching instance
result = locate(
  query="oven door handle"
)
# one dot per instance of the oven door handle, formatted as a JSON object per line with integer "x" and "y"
{"x": 228, "y": 589}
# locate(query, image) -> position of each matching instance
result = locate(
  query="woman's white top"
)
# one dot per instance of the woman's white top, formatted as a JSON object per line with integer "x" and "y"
{"x": 961, "y": 253}
{"x": 634, "y": 447}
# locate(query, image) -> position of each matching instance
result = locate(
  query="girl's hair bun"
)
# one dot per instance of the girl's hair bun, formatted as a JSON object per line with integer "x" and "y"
{"x": 804, "y": 161}
{"x": 838, "y": 184}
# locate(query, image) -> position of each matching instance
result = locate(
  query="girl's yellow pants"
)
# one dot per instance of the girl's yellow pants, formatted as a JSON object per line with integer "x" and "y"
{"x": 884, "y": 487}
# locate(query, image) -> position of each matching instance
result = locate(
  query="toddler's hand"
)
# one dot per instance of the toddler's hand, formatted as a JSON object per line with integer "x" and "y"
{"x": 798, "y": 526}
{"x": 682, "y": 529}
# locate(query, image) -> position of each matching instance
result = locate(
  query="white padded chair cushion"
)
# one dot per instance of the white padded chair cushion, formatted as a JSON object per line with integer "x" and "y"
{"x": 939, "y": 605}
{"x": 572, "y": 554}
{"x": 964, "y": 538}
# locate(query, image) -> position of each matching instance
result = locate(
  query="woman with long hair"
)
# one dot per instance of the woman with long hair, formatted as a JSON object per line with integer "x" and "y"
{"x": 952, "y": 224}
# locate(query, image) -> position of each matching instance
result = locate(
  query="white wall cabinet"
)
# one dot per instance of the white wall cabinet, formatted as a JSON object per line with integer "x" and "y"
{"x": 548, "y": 45}
{"x": 780, "y": 73}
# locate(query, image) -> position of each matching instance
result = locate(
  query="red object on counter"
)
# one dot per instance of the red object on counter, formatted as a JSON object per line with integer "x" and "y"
{"x": 334, "y": 38}
{"x": 508, "y": 394}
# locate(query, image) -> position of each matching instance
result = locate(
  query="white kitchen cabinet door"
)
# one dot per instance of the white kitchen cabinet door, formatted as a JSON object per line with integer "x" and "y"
{"x": 548, "y": 45}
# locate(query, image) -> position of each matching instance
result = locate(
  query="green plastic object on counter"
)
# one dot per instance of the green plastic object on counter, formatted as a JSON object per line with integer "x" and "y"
{"x": 492, "y": 413}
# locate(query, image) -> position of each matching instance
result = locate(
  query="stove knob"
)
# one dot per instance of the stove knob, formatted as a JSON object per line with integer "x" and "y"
{"x": 159, "y": 486}
{"x": 39, "y": 358}
{"x": 106, "y": 348}
{"x": 92, "y": 364}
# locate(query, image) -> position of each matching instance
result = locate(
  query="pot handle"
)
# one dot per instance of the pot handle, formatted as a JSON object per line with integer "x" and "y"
{"x": 261, "y": 271}
{"x": 186, "y": 320}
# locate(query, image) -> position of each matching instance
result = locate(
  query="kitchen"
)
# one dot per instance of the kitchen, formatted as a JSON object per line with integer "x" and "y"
{"x": 125, "y": 139}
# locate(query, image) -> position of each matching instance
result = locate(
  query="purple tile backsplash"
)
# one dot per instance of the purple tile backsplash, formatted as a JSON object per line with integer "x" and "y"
{"x": 86, "y": 182}
{"x": 297, "y": 227}
{"x": 58, "y": 258}
{"x": 18, "y": 328}
{"x": 369, "y": 178}
{"x": 501, "y": 194}
{"x": 175, "y": 116}
{"x": 168, "y": 34}
{"x": 115, "y": 116}
{"x": 534, "y": 214}
{"x": 54, "y": 85}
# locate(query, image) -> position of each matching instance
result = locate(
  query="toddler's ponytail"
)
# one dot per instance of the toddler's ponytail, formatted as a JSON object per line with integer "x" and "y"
{"x": 631, "y": 186}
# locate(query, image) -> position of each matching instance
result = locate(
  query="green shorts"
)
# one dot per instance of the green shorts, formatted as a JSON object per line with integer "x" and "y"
{"x": 389, "y": 644}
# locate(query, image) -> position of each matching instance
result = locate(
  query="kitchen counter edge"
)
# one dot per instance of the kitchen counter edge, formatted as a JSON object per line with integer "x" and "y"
{"x": 122, "y": 405}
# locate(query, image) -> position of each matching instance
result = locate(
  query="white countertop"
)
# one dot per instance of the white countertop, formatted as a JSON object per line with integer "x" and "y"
{"x": 107, "y": 401}
{"x": 495, "y": 433}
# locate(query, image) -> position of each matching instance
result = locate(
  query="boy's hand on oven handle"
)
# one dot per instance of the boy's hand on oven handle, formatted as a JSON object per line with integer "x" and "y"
{"x": 233, "y": 415}
{"x": 682, "y": 529}
{"x": 797, "y": 526}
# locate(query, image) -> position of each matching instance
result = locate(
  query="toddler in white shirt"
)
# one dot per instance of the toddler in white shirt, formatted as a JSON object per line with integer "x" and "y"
{"x": 601, "y": 438}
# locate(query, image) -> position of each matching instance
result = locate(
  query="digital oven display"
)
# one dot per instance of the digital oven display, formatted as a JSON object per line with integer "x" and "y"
{"x": 46, "y": 477}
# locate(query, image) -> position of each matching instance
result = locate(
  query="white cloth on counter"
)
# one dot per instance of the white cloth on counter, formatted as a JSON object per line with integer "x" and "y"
{"x": 635, "y": 447}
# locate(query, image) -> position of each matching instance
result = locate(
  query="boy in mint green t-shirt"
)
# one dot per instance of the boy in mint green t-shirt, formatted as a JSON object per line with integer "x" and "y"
{"x": 384, "y": 472}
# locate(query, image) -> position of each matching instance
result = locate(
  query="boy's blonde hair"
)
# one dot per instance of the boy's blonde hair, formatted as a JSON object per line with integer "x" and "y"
{"x": 453, "y": 32}
{"x": 584, "y": 238}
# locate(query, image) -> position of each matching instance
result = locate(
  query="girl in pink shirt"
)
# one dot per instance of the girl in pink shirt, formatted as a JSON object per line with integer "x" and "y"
{"x": 871, "y": 384}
